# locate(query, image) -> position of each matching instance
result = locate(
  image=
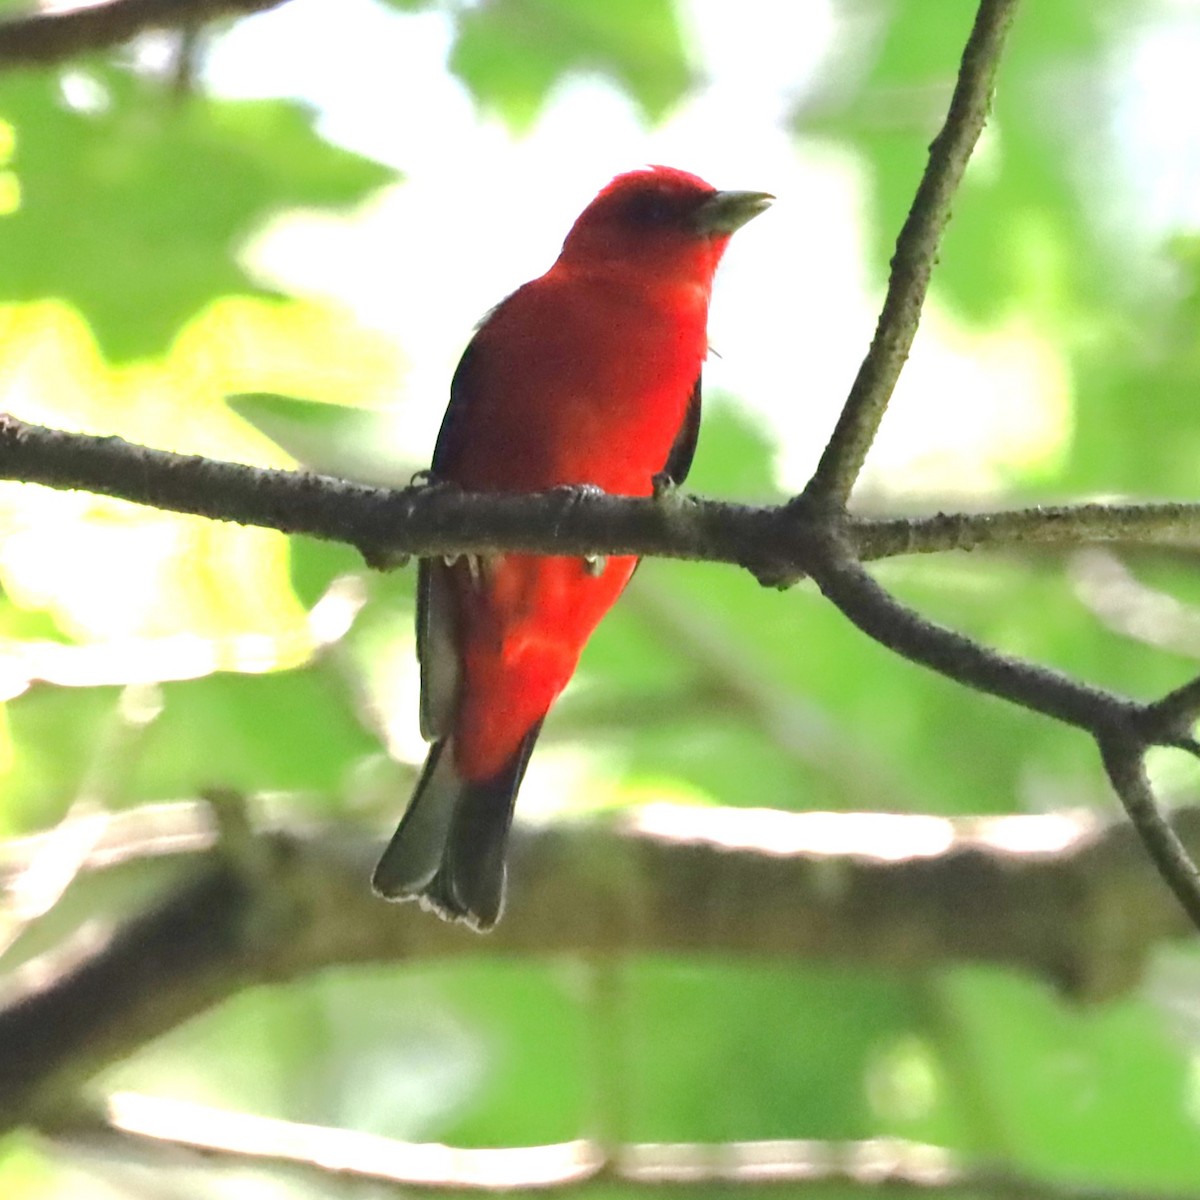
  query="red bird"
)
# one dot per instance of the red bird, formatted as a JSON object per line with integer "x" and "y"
{"x": 588, "y": 375}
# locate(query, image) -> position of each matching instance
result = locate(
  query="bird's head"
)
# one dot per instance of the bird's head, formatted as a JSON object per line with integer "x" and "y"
{"x": 662, "y": 221}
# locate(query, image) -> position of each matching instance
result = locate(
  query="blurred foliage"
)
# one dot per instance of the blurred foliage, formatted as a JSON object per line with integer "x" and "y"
{"x": 113, "y": 175}
{"x": 129, "y": 308}
{"x": 510, "y": 53}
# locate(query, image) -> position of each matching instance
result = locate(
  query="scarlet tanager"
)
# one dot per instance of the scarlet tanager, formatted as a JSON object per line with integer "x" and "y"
{"x": 587, "y": 375}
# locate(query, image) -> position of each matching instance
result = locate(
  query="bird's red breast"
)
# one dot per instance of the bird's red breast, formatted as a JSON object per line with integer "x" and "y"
{"x": 584, "y": 375}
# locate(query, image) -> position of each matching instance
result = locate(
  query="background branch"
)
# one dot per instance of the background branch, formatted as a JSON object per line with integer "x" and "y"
{"x": 895, "y": 892}
{"x": 153, "y": 1130}
{"x": 51, "y": 36}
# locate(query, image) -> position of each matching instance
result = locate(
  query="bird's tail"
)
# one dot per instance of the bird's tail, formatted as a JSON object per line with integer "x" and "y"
{"x": 448, "y": 851}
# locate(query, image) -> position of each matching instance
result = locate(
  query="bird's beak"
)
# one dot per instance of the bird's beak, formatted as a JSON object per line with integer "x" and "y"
{"x": 724, "y": 212}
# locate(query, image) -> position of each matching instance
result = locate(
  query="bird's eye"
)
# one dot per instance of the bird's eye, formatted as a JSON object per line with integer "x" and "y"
{"x": 651, "y": 209}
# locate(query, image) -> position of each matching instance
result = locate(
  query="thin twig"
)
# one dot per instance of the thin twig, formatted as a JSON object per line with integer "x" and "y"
{"x": 1123, "y": 729}
{"x": 1168, "y": 524}
{"x": 1124, "y": 761}
{"x": 912, "y": 264}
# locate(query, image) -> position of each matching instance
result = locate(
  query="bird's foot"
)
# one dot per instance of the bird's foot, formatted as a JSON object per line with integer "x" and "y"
{"x": 380, "y": 557}
{"x": 572, "y": 494}
{"x": 663, "y": 486}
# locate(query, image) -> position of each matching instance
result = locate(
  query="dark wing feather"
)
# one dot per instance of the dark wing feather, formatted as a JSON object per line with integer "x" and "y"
{"x": 463, "y": 386}
{"x": 461, "y": 390}
{"x": 679, "y": 461}
{"x": 436, "y": 651}
{"x": 435, "y": 648}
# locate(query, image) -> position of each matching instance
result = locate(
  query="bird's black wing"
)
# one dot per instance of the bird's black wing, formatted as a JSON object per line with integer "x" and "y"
{"x": 461, "y": 391}
{"x": 679, "y": 461}
{"x": 436, "y": 651}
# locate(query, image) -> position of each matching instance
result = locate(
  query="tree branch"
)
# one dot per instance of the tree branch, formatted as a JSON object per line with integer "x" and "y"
{"x": 1161, "y": 524}
{"x": 848, "y": 585}
{"x": 888, "y": 891}
{"x": 50, "y": 36}
{"x": 152, "y": 1130}
{"x": 912, "y": 264}
{"x": 1125, "y": 762}
{"x": 389, "y": 523}
{"x": 1124, "y": 730}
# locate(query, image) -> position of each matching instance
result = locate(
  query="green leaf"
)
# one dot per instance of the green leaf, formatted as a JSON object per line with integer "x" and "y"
{"x": 1096, "y": 1095}
{"x": 534, "y": 1040}
{"x": 52, "y": 737}
{"x": 1019, "y": 194}
{"x": 1136, "y": 430}
{"x": 26, "y": 1169}
{"x": 723, "y": 1051}
{"x": 132, "y": 208}
{"x": 287, "y": 730}
{"x": 332, "y": 439}
{"x": 510, "y": 53}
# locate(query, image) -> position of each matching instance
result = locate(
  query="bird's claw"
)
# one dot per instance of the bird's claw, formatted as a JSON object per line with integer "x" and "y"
{"x": 572, "y": 494}
{"x": 663, "y": 486}
{"x": 426, "y": 481}
{"x": 380, "y": 558}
